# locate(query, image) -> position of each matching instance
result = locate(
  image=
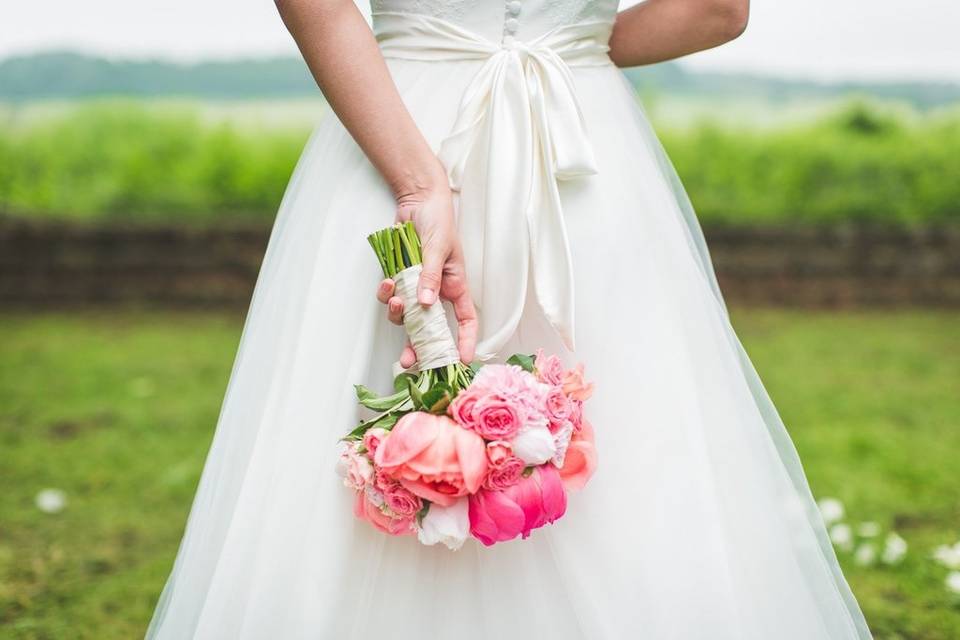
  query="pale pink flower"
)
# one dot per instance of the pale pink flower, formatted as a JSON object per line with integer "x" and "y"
{"x": 372, "y": 439}
{"x": 354, "y": 467}
{"x": 498, "y": 450}
{"x": 549, "y": 368}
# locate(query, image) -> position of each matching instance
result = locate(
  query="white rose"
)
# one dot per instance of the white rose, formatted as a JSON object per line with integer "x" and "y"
{"x": 449, "y": 525}
{"x": 534, "y": 444}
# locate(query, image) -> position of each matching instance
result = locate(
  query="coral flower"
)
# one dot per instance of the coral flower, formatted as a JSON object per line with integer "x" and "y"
{"x": 433, "y": 457}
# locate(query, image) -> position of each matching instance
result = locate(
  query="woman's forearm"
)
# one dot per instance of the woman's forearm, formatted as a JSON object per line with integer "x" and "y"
{"x": 658, "y": 30}
{"x": 346, "y": 62}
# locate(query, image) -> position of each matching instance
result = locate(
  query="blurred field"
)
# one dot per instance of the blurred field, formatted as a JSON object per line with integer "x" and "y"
{"x": 205, "y": 162}
{"x": 117, "y": 409}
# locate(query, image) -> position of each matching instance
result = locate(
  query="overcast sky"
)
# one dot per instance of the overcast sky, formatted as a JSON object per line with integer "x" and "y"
{"x": 826, "y": 39}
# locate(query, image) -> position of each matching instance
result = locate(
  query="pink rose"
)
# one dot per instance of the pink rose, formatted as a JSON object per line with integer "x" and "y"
{"x": 575, "y": 386}
{"x": 366, "y": 510}
{"x": 558, "y": 408}
{"x": 496, "y": 418}
{"x": 538, "y": 499}
{"x": 402, "y": 501}
{"x": 433, "y": 457}
{"x": 461, "y": 409}
{"x": 504, "y": 473}
{"x": 581, "y": 458}
{"x": 372, "y": 439}
{"x": 549, "y": 368}
{"x": 498, "y": 450}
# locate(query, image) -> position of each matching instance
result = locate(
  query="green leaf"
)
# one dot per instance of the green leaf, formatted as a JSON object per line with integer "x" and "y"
{"x": 438, "y": 398}
{"x": 363, "y": 393}
{"x": 523, "y": 361}
{"x": 415, "y": 394}
{"x": 400, "y": 382}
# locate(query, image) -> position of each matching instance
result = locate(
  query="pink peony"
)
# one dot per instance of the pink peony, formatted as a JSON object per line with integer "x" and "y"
{"x": 538, "y": 499}
{"x": 396, "y": 526}
{"x": 580, "y": 460}
{"x": 549, "y": 368}
{"x": 402, "y": 501}
{"x": 575, "y": 386}
{"x": 372, "y": 439}
{"x": 505, "y": 380}
{"x": 496, "y": 418}
{"x": 433, "y": 457}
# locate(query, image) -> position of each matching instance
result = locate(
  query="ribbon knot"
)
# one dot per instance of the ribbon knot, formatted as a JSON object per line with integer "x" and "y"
{"x": 519, "y": 130}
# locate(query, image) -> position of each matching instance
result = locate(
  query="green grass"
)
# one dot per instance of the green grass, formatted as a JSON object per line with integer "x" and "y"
{"x": 145, "y": 161}
{"x": 118, "y": 409}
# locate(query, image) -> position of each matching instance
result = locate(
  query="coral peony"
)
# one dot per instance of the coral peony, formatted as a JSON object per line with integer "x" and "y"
{"x": 433, "y": 457}
{"x": 575, "y": 386}
{"x": 536, "y": 500}
{"x": 580, "y": 460}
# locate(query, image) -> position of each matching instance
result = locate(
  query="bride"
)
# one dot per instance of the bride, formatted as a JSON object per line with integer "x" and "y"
{"x": 550, "y": 218}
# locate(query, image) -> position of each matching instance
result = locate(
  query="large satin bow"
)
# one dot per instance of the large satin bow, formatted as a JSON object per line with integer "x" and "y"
{"x": 518, "y": 131}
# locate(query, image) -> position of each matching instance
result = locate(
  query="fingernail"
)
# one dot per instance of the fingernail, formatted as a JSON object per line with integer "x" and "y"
{"x": 427, "y": 296}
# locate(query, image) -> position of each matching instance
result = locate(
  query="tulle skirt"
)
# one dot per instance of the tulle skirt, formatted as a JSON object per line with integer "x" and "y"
{"x": 698, "y": 523}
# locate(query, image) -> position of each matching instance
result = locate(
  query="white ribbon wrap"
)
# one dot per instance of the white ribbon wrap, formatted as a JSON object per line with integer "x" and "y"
{"x": 426, "y": 326}
{"x": 519, "y": 130}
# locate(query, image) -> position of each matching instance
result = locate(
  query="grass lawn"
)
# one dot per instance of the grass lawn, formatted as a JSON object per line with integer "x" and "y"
{"x": 117, "y": 410}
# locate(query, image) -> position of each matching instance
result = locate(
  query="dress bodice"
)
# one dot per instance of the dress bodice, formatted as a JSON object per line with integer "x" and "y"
{"x": 504, "y": 20}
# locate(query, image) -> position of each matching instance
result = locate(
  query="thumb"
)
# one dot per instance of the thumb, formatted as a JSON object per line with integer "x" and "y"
{"x": 430, "y": 278}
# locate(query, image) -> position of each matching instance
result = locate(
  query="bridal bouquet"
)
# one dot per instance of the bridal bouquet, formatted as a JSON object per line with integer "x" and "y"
{"x": 488, "y": 450}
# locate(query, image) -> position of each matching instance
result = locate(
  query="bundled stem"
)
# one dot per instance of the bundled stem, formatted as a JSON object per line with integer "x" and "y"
{"x": 398, "y": 248}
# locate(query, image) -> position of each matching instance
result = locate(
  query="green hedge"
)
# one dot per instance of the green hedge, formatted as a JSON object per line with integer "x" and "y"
{"x": 128, "y": 160}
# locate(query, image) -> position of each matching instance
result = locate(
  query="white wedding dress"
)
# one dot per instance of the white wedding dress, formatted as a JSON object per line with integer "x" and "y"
{"x": 698, "y": 523}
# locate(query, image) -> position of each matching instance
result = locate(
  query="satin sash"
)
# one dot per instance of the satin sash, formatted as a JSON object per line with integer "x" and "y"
{"x": 518, "y": 131}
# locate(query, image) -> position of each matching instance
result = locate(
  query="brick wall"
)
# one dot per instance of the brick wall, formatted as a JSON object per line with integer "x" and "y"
{"x": 58, "y": 265}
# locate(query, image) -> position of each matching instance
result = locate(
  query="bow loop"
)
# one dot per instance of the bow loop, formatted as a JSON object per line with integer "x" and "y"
{"x": 519, "y": 130}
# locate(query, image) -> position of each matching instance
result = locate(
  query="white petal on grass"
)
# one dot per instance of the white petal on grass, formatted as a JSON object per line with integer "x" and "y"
{"x": 953, "y": 582}
{"x": 831, "y": 510}
{"x": 842, "y": 536}
{"x": 948, "y": 556}
{"x": 868, "y": 530}
{"x": 894, "y": 549}
{"x": 865, "y": 555}
{"x": 51, "y": 500}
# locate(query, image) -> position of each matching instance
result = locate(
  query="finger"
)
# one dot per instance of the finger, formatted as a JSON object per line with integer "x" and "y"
{"x": 408, "y": 357}
{"x": 395, "y": 310}
{"x": 430, "y": 278}
{"x": 467, "y": 325}
{"x": 385, "y": 290}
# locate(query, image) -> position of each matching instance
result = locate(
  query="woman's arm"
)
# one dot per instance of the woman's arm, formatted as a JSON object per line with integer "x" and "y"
{"x": 346, "y": 62}
{"x": 658, "y": 30}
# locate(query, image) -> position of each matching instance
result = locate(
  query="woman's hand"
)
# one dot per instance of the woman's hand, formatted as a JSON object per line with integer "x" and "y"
{"x": 443, "y": 275}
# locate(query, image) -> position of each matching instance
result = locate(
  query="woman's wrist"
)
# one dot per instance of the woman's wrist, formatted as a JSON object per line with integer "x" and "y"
{"x": 417, "y": 180}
